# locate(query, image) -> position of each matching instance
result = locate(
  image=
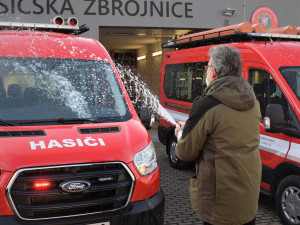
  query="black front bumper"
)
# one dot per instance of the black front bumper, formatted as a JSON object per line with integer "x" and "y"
{"x": 147, "y": 212}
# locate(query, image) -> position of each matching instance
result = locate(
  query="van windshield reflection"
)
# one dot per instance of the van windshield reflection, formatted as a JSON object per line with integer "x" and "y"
{"x": 41, "y": 89}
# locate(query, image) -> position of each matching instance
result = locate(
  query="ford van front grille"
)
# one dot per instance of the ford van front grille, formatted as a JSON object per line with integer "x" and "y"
{"x": 70, "y": 190}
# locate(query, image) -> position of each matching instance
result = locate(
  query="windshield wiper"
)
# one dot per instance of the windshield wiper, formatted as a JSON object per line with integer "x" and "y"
{"x": 5, "y": 123}
{"x": 60, "y": 120}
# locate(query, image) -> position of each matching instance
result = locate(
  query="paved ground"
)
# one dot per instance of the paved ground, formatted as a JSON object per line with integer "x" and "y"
{"x": 175, "y": 184}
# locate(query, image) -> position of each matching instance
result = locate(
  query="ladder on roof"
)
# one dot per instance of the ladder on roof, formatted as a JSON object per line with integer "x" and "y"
{"x": 229, "y": 34}
{"x": 65, "y": 29}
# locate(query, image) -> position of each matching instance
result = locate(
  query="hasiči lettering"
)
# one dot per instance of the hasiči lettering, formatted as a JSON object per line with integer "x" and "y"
{"x": 68, "y": 143}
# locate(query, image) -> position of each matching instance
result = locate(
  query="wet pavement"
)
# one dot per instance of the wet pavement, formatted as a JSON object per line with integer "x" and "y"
{"x": 175, "y": 183}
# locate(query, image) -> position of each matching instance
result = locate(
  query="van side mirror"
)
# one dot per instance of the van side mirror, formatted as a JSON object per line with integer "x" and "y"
{"x": 274, "y": 118}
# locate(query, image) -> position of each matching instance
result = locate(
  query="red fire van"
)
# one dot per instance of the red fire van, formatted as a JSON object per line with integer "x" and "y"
{"x": 271, "y": 64}
{"x": 72, "y": 148}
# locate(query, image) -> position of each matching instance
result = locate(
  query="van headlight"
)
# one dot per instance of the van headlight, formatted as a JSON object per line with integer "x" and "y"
{"x": 146, "y": 161}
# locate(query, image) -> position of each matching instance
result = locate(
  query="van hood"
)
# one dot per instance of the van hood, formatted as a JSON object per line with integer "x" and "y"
{"x": 71, "y": 144}
{"x": 233, "y": 91}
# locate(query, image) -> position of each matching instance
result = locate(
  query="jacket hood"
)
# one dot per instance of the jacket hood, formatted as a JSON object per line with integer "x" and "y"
{"x": 234, "y": 92}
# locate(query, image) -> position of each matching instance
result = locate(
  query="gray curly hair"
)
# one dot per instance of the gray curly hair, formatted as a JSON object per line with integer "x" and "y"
{"x": 226, "y": 60}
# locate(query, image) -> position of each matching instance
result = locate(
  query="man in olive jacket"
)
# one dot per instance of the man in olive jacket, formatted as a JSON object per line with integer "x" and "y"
{"x": 222, "y": 137}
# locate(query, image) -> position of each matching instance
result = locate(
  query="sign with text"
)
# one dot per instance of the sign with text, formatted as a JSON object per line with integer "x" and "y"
{"x": 132, "y": 8}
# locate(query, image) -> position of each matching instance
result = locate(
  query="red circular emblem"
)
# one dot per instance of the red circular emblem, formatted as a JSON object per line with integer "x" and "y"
{"x": 265, "y": 16}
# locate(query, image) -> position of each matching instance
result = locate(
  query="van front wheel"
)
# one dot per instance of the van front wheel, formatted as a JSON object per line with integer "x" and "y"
{"x": 173, "y": 159}
{"x": 288, "y": 200}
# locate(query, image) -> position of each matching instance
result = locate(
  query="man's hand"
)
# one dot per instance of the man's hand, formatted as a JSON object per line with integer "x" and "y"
{"x": 181, "y": 126}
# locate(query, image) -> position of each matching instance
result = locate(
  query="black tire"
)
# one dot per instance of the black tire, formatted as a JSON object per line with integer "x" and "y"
{"x": 149, "y": 124}
{"x": 287, "y": 200}
{"x": 173, "y": 159}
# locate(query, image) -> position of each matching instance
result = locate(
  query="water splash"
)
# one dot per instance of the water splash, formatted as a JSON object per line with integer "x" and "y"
{"x": 53, "y": 82}
{"x": 138, "y": 89}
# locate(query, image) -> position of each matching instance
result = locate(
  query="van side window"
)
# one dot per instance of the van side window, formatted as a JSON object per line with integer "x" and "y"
{"x": 292, "y": 76}
{"x": 266, "y": 89}
{"x": 185, "y": 81}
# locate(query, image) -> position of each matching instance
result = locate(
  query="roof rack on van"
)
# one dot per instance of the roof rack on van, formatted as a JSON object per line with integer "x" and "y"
{"x": 57, "y": 27}
{"x": 235, "y": 33}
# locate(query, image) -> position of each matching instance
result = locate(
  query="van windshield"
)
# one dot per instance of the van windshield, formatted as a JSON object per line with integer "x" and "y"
{"x": 50, "y": 89}
{"x": 292, "y": 77}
